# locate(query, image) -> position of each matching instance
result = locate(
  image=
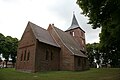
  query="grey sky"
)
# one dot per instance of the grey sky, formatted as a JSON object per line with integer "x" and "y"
{"x": 14, "y": 15}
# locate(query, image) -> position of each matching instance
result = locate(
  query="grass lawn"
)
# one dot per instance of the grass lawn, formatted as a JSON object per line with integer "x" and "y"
{"x": 92, "y": 74}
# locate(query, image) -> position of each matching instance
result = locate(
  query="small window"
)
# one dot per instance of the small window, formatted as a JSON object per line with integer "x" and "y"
{"x": 51, "y": 55}
{"x": 21, "y": 57}
{"x": 72, "y": 33}
{"x": 82, "y": 41}
{"x": 78, "y": 62}
{"x": 85, "y": 62}
{"x": 47, "y": 55}
{"x": 25, "y": 55}
{"x": 28, "y": 56}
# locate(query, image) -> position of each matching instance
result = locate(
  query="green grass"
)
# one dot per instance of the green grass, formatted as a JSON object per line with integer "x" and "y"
{"x": 92, "y": 74}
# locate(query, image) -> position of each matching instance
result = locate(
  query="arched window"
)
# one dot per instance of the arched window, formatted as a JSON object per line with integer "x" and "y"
{"x": 47, "y": 55}
{"x": 25, "y": 55}
{"x": 28, "y": 55}
{"x": 51, "y": 55}
{"x": 72, "y": 33}
{"x": 21, "y": 57}
{"x": 84, "y": 61}
{"x": 78, "y": 64}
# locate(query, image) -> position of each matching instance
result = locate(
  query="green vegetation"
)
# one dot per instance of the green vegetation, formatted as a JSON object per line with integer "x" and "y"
{"x": 94, "y": 52}
{"x": 92, "y": 74}
{"x": 8, "y": 48}
{"x": 105, "y": 14}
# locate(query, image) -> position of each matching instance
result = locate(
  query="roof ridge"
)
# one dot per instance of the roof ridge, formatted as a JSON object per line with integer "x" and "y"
{"x": 52, "y": 36}
{"x": 39, "y": 33}
{"x": 36, "y": 25}
{"x": 69, "y": 48}
{"x": 61, "y": 39}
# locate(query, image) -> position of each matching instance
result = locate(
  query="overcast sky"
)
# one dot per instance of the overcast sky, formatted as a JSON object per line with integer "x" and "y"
{"x": 15, "y": 14}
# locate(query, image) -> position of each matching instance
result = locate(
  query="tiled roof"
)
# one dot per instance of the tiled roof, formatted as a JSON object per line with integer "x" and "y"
{"x": 42, "y": 35}
{"x": 69, "y": 42}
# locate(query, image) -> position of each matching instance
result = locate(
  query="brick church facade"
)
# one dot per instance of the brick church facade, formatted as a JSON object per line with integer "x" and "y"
{"x": 52, "y": 49}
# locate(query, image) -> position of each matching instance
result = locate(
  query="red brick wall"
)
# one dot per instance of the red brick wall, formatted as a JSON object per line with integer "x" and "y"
{"x": 82, "y": 64}
{"x": 41, "y": 64}
{"x": 79, "y": 36}
{"x": 27, "y": 45}
{"x": 62, "y": 57}
{"x": 66, "y": 59}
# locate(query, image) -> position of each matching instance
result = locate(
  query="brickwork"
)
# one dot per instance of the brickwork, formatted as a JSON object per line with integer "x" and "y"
{"x": 26, "y": 46}
{"x": 79, "y": 36}
{"x": 66, "y": 60}
{"x": 81, "y": 63}
{"x": 52, "y": 62}
{"x": 34, "y": 55}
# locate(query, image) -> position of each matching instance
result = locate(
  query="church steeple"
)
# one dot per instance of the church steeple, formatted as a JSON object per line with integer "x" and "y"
{"x": 78, "y": 34}
{"x": 74, "y": 23}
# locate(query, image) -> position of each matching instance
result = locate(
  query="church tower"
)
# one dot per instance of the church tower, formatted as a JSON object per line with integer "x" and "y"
{"x": 79, "y": 34}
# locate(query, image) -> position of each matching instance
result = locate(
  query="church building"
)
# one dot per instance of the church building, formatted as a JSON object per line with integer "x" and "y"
{"x": 52, "y": 49}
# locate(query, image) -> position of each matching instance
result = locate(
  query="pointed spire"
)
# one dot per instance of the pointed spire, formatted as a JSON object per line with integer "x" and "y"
{"x": 74, "y": 23}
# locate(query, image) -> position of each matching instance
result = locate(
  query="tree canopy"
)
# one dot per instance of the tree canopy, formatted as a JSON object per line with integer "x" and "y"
{"x": 105, "y": 14}
{"x": 8, "y": 48}
{"x": 94, "y": 54}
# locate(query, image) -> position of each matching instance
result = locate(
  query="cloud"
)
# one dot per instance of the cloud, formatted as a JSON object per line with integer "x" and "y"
{"x": 14, "y": 15}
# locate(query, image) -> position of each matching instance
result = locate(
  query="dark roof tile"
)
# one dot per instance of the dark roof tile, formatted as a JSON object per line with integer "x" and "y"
{"x": 74, "y": 24}
{"x": 69, "y": 42}
{"x": 42, "y": 35}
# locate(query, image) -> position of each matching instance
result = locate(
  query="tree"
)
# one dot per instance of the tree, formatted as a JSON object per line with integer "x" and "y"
{"x": 2, "y": 39}
{"x": 90, "y": 54}
{"x": 94, "y": 54}
{"x": 13, "y": 52}
{"x": 8, "y": 48}
{"x": 105, "y": 14}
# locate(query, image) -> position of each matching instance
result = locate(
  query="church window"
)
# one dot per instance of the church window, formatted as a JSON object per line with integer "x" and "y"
{"x": 25, "y": 55}
{"x": 85, "y": 62}
{"x": 51, "y": 55}
{"x": 72, "y": 33}
{"x": 47, "y": 55}
{"x": 78, "y": 63}
{"x": 28, "y": 55}
{"x": 21, "y": 57}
